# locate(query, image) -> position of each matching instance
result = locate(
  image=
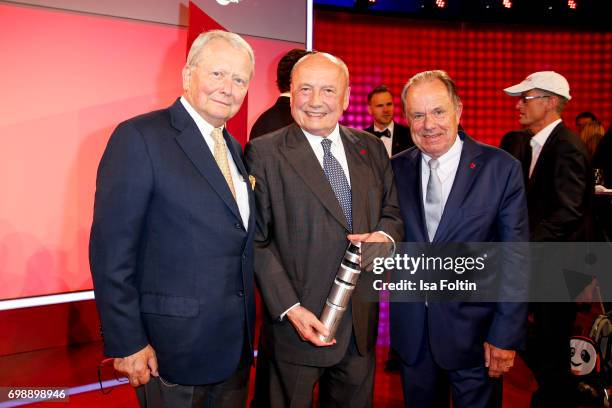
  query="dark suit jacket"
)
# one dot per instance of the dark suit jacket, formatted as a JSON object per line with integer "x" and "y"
{"x": 276, "y": 117}
{"x": 301, "y": 235}
{"x": 486, "y": 204}
{"x": 401, "y": 138}
{"x": 602, "y": 158}
{"x": 560, "y": 190}
{"x": 516, "y": 142}
{"x": 170, "y": 256}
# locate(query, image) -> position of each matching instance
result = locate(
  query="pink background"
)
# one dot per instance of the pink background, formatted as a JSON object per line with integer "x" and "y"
{"x": 67, "y": 80}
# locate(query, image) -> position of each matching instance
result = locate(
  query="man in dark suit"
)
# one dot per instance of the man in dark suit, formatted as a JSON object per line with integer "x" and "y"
{"x": 395, "y": 137}
{"x": 318, "y": 185}
{"x": 171, "y": 241}
{"x": 279, "y": 114}
{"x": 559, "y": 191}
{"x": 453, "y": 189}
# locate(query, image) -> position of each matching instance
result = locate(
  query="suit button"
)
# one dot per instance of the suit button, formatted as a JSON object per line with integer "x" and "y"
{"x": 240, "y": 293}
{"x": 237, "y": 225}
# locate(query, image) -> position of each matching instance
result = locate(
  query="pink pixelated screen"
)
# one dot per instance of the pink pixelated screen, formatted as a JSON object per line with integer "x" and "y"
{"x": 483, "y": 59}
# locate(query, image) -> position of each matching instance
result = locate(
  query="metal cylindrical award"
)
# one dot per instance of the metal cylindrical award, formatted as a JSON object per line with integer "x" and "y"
{"x": 342, "y": 289}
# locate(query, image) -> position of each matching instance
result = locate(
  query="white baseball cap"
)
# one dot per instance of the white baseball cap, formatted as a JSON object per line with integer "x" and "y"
{"x": 546, "y": 80}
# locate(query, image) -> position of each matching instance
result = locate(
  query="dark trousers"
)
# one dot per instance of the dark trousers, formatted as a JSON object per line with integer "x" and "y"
{"x": 548, "y": 354}
{"x": 347, "y": 384}
{"x": 427, "y": 385}
{"x": 230, "y": 393}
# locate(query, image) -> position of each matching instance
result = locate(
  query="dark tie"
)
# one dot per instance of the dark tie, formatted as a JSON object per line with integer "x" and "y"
{"x": 384, "y": 133}
{"x": 336, "y": 177}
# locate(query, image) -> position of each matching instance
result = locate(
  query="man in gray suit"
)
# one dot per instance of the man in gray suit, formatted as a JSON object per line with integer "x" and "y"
{"x": 317, "y": 186}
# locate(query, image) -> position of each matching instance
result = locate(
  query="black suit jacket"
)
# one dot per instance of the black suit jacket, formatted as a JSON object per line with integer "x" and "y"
{"x": 301, "y": 235}
{"x": 401, "y": 138}
{"x": 276, "y": 117}
{"x": 170, "y": 257}
{"x": 516, "y": 142}
{"x": 560, "y": 190}
{"x": 602, "y": 158}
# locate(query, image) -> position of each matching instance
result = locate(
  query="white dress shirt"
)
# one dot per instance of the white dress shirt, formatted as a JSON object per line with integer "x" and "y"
{"x": 240, "y": 184}
{"x": 387, "y": 141}
{"x": 537, "y": 142}
{"x": 337, "y": 149}
{"x": 449, "y": 162}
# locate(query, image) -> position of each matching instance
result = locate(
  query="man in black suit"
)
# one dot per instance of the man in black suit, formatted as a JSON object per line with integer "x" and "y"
{"x": 317, "y": 186}
{"x": 559, "y": 192}
{"x": 395, "y": 137}
{"x": 172, "y": 239}
{"x": 279, "y": 114}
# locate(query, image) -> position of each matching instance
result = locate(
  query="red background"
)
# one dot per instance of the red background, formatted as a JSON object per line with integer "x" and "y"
{"x": 483, "y": 59}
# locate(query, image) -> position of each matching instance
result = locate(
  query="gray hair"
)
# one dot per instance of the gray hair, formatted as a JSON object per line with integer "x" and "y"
{"x": 233, "y": 39}
{"x": 561, "y": 100}
{"x": 427, "y": 76}
{"x": 330, "y": 57}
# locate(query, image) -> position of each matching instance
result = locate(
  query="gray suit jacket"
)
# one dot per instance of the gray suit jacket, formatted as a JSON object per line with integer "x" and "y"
{"x": 301, "y": 235}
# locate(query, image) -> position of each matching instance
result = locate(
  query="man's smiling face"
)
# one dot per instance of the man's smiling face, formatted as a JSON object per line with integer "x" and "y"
{"x": 319, "y": 94}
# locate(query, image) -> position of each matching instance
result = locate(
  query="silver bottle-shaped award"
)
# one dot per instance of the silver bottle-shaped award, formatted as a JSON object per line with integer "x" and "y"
{"x": 342, "y": 289}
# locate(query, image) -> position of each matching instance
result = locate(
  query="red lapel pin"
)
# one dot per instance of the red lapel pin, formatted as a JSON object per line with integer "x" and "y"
{"x": 472, "y": 165}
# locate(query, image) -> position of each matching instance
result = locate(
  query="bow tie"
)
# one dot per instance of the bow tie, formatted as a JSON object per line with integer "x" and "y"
{"x": 384, "y": 133}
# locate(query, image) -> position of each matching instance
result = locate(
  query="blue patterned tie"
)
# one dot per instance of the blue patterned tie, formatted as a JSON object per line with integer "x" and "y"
{"x": 337, "y": 179}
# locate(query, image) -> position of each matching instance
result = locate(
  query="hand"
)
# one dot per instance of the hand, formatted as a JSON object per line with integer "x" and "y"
{"x": 499, "y": 361}
{"x": 139, "y": 366}
{"x": 368, "y": 237}
{"x": 308, "y": 326}
{"x": 369, "y": 252}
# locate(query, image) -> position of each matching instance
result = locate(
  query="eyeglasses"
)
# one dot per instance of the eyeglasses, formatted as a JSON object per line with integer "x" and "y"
{"x": 526, "y": 99}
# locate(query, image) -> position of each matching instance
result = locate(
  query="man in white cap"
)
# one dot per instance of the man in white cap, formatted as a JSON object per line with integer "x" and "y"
{"x": 559, "y": 190}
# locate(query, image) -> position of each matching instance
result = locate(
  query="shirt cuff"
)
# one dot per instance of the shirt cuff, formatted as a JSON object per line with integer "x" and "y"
{"x": 391, "y": 238}
{"x": 282, "y": 316}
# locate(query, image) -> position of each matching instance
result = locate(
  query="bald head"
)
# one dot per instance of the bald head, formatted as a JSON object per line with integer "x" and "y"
{"x": 319, "y": 92}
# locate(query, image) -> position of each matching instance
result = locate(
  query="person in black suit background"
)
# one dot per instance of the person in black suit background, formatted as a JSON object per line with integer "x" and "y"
{"x": 279, "y": 114}
{"x": 395, "y": 137}
{"x": 559, "y": 194}
{"x": 171, "y": 248}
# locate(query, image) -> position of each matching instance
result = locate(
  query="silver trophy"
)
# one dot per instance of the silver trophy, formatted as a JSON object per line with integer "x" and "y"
{"x": 342, "y": 289}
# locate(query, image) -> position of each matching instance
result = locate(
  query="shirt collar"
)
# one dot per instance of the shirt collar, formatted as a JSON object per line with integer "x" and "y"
{"x": 334, "y": 136}
{"x": 390, "y": 127}
{"x": 204, "y": 127}
{"x": 542, "y": 136}
{"x": 452, "y": 153}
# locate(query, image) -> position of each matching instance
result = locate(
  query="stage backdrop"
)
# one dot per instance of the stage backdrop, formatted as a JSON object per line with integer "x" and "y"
{"x": 482, "y": 58}
{"x": 71, "y": 71}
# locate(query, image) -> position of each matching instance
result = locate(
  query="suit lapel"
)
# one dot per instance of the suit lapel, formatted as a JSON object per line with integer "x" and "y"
{"x": 543, "y": 153}
{"x": 408, "y": 176}
{"x": 195, "y": 148}
{"x": 237, "y": 155}
{"x": 469, "y": 167}
{"x": 302, "y": 159}
{"x": 359, "y": 172}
